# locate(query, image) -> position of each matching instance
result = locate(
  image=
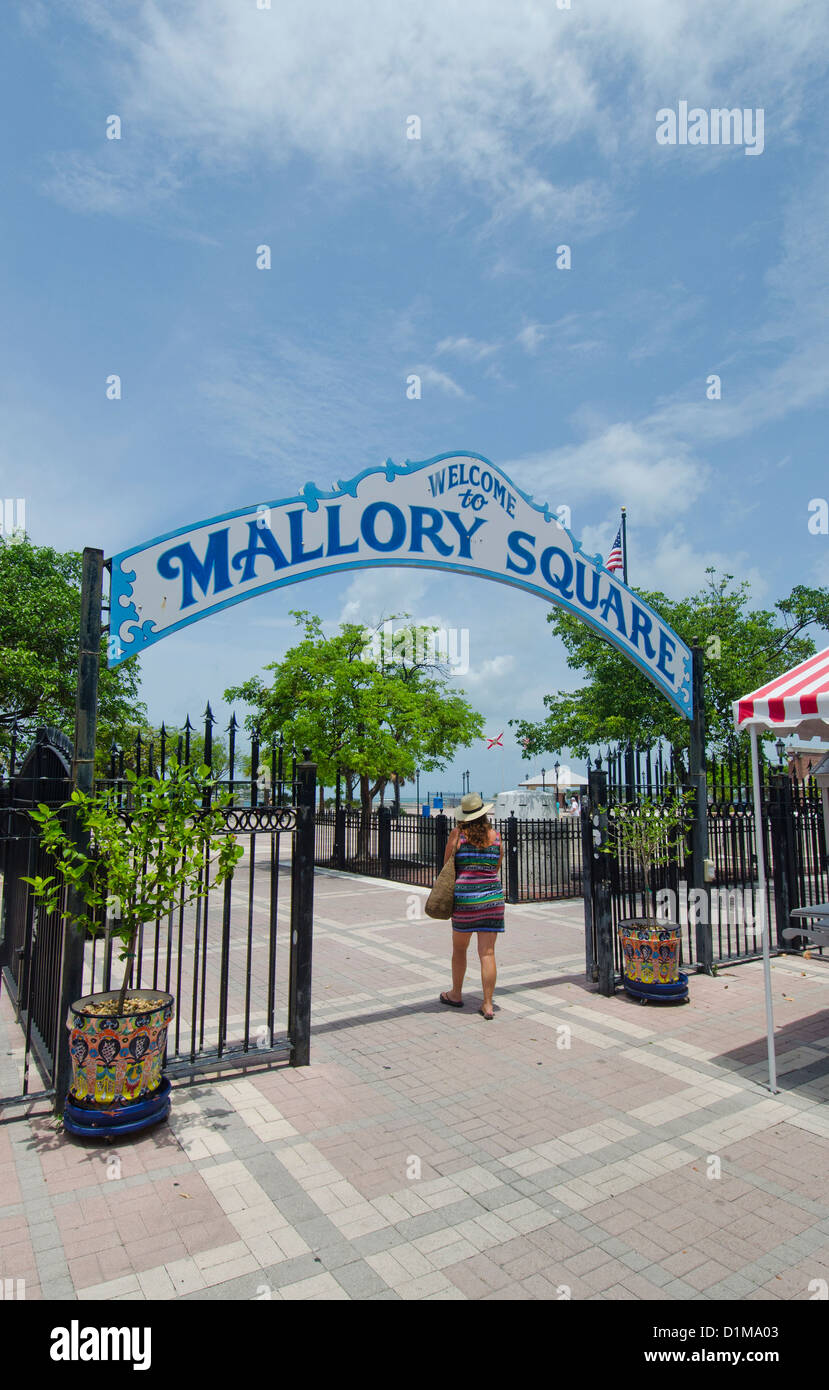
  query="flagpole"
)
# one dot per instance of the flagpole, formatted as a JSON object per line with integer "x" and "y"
{"x": 625, "y": 544}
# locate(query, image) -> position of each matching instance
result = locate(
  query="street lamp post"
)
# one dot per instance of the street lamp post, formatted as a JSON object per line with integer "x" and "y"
{"x": 543, "y": 783}
{"x": 557, "y": 766}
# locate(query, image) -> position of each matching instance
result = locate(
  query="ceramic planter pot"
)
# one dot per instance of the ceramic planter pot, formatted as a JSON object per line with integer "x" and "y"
{"x": 650, "y": 951}
{"x": 116, "y": 1061}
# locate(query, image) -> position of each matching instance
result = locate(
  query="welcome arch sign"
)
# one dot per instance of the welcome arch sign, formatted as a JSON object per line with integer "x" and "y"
{"x": 456, "y": 512}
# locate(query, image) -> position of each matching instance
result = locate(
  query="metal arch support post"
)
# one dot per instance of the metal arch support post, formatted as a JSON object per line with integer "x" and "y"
{"x": 699, "y": 829}
{"x": 302, "y": 915}
{"x": 602, "y": 911}
{"x": 760, "y": 910}
{"x": 83, "y": 778}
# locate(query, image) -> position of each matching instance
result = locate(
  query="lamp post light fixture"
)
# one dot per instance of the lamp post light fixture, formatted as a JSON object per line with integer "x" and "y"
{"x": 543, "y": 783}
{"x": 780, "y": 746}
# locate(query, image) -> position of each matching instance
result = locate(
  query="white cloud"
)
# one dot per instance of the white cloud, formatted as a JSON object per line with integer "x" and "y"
{"x": 676, "y": 563}
{"x": 489, "y": 671}
{"x": 530, "y": 337}
{"x": 626, "y": 465}
{"x": 376, "y": 593}
{"x": 497, "y": 88}
{"x": 102, "y": 184}
{"x": 289, "y": 405}
{"x": 430, "y": 376}
{"x": 467, "y": 348}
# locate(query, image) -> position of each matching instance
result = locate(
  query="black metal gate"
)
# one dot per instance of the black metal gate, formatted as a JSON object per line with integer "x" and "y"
{"x": 30, "y": 940}
{"x": 795, "y": 853}
{"x": 238, "y": 960}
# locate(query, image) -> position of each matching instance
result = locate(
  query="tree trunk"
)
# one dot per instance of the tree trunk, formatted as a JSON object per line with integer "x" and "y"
{"x": 364, "y": 847}
{"x": 128, "y": 968}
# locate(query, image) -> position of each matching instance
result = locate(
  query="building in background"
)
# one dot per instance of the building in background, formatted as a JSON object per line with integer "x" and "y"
{"x": 803, "y": 758}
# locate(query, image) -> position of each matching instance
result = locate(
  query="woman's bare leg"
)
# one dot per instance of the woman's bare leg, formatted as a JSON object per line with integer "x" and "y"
{"x": 486, "y": 951}
{"x": 460, "y": 941}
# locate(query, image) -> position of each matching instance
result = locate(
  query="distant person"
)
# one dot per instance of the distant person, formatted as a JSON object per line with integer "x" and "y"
{"x": 574, "y": 807}
{"x": 479, "y": 897}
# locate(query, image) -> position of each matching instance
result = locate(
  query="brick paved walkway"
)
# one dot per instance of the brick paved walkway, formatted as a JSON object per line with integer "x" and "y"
{"x": 567, "y": 1149}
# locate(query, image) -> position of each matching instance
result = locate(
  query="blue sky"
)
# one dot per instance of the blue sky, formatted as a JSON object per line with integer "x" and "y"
{"x": 436, "y": 256}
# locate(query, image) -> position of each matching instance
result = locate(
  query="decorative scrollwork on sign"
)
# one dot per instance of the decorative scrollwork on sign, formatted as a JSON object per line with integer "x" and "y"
{"x": 250, "y": 820}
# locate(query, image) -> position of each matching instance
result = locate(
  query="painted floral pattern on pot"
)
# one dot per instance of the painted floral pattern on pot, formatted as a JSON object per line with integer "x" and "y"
{"x": 115, "y": 1059}
{"x": 651, "y": 954}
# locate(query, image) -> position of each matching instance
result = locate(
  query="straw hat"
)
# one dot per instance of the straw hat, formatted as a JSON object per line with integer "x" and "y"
{"x": 472, "y": 807}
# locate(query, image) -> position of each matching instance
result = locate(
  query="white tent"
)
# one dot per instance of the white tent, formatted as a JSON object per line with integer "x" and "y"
{"x": 568, "y": 780}
{"x": 797, "y": 702}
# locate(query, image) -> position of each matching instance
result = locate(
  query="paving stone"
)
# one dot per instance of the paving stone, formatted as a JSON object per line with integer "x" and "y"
{"x": 359, "y": 1280}
{"x": 333, "y": 1257}
{"x": 657, "y": 1275}
{"x": 291, "y": 1271}
{"x": 317, "y": 1233}
{"x": 384, "y": 1085}
{"x": 423, "y": 1225}
{"x": 375, "y": 1241}
{"x": 635, "y": 1261}
{"x": 297, "y": 1208}
{"x": 577, "y": 1221}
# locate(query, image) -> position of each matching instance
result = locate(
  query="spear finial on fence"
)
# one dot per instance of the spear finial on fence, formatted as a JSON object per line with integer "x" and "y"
{"x": 209, "y": 721}
{"x": 254, "y": 765}
{"x": 231, "y": 750}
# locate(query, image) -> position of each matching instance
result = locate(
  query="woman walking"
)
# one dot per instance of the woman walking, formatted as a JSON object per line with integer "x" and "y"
{"x": 479, "y": 897}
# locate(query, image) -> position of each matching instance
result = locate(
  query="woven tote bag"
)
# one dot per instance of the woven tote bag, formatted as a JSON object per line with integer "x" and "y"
{"x": 441, "y": 900}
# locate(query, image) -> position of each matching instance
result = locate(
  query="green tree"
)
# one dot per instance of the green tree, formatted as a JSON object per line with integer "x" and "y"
{"x": 374, "y": 715}
{"x": 650, "y": 832}
{"x": 136, "y": 861}
{"x": 744, "y": 648}
{"x": 40, "y": 612}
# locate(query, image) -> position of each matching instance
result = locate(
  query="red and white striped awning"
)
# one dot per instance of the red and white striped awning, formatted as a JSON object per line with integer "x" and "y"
{"x": 797, "y": 700}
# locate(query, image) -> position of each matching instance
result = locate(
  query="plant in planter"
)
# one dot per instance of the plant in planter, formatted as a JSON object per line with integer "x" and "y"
{"x": 136, "y": 861}
{"x": 650, "y": 831}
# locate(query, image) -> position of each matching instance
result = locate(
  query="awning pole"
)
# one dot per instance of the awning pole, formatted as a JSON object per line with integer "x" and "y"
{"x": 760, "y": 908}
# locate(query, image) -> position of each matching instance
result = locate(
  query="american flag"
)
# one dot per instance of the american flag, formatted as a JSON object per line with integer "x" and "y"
{"x": 615, "y": 560}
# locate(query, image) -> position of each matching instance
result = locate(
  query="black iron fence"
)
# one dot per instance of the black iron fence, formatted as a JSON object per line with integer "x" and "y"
{"x": 542, "y": 858}
{"x": 31, "y": 942}
{"x": 238, "y": 959}
{"x": 794, "y": 837}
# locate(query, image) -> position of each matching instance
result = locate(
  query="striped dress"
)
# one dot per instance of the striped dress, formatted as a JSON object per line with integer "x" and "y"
{"x": 479, "y": 897}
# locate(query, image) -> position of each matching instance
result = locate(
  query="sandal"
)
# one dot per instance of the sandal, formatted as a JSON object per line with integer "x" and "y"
{"x": 488, "y": 1017}
{"x": 453, "y": 1003}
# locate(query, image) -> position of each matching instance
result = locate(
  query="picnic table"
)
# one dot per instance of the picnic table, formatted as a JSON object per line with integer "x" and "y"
{"x": 818, "y": 930}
